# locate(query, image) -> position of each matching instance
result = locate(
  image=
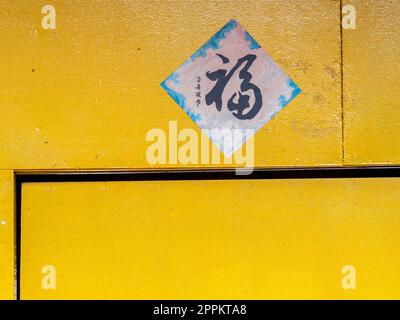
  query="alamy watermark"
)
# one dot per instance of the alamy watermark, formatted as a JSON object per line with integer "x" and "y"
{"x": 349, "y": 17}
{"x": 49, "y": 18}
{"x": 49, "y": 277}
{"x": 349, "y": 277}
{"x": 185, "y": 146}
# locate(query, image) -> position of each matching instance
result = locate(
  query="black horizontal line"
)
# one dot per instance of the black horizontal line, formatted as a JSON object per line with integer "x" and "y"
{"x": 213, "y": 174}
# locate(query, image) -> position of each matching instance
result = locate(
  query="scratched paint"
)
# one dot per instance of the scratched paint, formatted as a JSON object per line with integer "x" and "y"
{"x": 230, "y": 83}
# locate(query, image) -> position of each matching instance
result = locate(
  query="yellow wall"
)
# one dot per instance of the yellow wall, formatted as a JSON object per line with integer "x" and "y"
{"x": 242, "y": 239}
{"x": 83, "y": 97}
{"x": 371, "y": 85}
{"x": 95, "y": 89}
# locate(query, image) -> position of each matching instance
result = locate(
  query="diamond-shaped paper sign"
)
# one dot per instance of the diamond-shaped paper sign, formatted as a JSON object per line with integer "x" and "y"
{"x": 230, "y": 83}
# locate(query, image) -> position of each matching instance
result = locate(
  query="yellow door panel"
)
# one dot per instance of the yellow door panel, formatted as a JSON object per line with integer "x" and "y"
{"x": 240, "y": 239}
{"x": 85, "y": 94}
{"x": 371, "y": 84}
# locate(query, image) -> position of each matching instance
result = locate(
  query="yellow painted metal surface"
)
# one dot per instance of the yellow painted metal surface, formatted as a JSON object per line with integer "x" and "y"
{"x": 371, "y": 84}
{"x": 212, "y": 239}
{"x": 85, "y": 94}
{"x": 7, "y": 234}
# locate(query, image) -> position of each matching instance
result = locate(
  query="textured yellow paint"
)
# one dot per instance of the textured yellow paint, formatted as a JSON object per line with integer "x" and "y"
{"x": 85, "y": 95}
{"x": 371, "y": 84}
{"x": 7, "y": 228}
{"x": 222, "y": 239}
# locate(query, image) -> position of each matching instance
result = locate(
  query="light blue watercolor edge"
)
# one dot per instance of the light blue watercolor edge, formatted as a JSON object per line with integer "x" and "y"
{"x": 253, "y": 43}
{"x": 283, "y": 102}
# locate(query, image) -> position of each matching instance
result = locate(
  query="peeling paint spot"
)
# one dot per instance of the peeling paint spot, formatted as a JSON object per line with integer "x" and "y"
{"x": 331, "y": 73}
